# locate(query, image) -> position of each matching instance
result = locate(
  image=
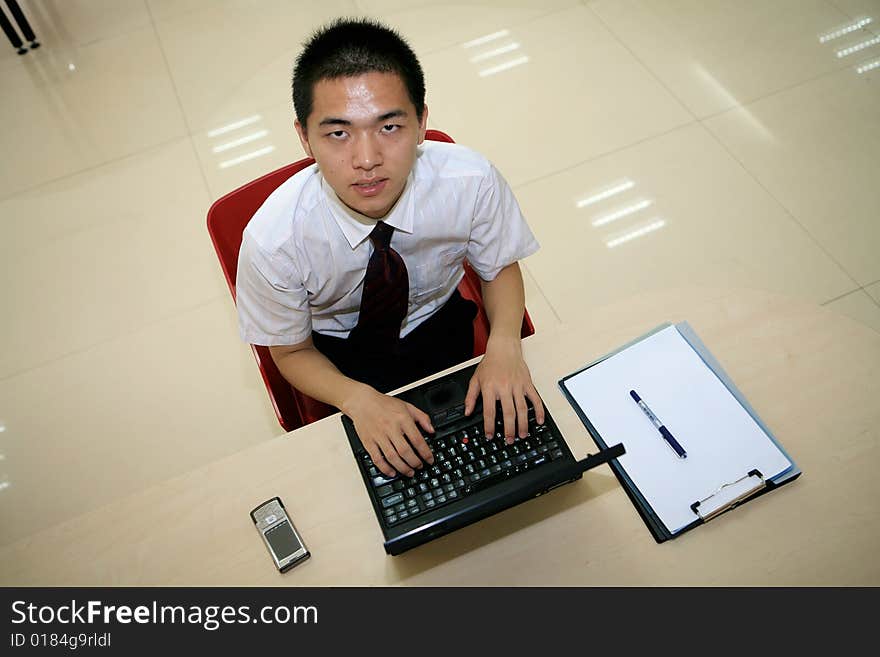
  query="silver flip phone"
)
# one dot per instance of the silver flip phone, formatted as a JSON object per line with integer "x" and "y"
{"x": 279, "y": 534}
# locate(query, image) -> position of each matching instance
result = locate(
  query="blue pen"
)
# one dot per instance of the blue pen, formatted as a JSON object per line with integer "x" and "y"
{"x": 668, "y": 437}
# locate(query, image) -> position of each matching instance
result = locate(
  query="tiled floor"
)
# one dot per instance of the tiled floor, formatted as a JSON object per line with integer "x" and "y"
{"x": 651, "y": 144}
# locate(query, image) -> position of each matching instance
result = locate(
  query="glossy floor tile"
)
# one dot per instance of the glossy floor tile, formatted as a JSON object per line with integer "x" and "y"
{"x": 75, "y": 107}
{"x": 859, "y": 8}
{"x": 542, "y": 314}
{"x": 432, "y": 24}
{"x": 68, "y": 24}
{"x": 651, "y": 145}
{"x": 230, "y": 60}
{"x": 673, "y": 211}
{"x": 581, "y": 94}
{"x": 814, "y": 148}
{"x": 716, "y": 55}
{"x": 859, "y": 306}
{"x": 102, "y": 254}
{"x": 126, "y": 414}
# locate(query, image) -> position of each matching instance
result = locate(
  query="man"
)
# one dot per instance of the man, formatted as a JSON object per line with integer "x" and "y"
{"x": 349, "y": 270}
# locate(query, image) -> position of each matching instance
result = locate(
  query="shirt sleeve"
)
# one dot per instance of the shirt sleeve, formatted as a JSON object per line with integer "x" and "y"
{"x": 272, "y": 302}
{"x": 499, "y": 235}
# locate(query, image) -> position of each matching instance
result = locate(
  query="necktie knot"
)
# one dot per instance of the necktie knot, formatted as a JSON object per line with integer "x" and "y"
{"x": 381, "y": 235}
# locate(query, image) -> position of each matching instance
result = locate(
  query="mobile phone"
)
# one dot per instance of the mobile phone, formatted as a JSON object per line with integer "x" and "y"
{"x": 280, "y": 536}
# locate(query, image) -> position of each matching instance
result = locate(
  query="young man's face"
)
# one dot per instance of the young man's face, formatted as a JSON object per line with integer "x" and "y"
{"x": 363, "y": 133}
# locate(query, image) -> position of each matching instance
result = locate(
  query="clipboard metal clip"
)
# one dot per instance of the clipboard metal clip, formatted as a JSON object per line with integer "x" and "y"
{"x": 729, "y": 495}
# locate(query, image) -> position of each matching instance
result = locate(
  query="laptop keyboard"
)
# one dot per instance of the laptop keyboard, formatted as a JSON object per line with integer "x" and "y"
{"x": 465, "y": 462}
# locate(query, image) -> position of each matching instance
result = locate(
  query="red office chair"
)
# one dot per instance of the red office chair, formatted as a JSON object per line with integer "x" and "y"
{"x": 227, "y": 219}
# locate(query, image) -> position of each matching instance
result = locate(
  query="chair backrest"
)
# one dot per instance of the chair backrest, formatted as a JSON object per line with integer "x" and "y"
{"x": 227, "y": 219}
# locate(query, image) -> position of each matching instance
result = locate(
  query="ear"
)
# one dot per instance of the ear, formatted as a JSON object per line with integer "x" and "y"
{"x": 303, "y": 137}
{"x": 423, "y": 124}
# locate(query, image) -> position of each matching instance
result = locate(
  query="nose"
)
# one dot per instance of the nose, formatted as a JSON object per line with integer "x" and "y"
{"x": 367, "y": 154}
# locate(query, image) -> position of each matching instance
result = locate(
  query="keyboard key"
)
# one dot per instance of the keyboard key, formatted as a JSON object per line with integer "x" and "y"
{"x": 412, "y": 504}
{"x": 381, "y": 481}
{"x": 556, "y": 454}
{"x": 403, "y": 515}
{"x": 452, "y": 495}
{"x": 459, "y": 483}
{"x": 449, "y": 488}
{"x": 382, "y": 491}
{"x": 391, "y": 519}
{"x": 399, "y": 508}
{"x": 398, "y": 485}
{"x": 440, "y": 500}
{"x": 410, "y": 492}
{"x": 392, "y": 500}
{"x": 388, "y": 512}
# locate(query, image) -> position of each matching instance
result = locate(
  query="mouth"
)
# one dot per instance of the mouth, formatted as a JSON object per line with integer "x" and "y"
{"x": 370, "y": 187}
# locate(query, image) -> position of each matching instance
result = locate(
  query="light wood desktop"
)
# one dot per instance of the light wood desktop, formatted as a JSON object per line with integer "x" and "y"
{"x": 811, "y": 374}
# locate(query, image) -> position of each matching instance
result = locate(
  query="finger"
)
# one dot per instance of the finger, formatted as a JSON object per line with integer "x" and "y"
{"x": 406, "y": 452}
{"x": 522, "y": 414}
{"x": 421, "y": 417}
{"x": 417, "y": 441}
{"x": 488, "y": 413}
{"x": 509, "y": 412}
{"x": 533, "y": 396}
{"x": 470, "y": 400}
{"x": 391, "y": 455}
{"x": 379, "y": 461}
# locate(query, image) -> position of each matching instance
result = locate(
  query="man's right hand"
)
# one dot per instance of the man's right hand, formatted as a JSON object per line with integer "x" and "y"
{"x": 387, "y": 429}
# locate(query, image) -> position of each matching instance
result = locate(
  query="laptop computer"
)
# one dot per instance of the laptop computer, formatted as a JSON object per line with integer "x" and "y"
{"x": 473, "y": 476}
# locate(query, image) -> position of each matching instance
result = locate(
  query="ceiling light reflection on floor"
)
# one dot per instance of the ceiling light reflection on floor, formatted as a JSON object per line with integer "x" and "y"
{"x": 859, "y": 46}
{"x": 622, "y": 212}
{"x": 504, "y": 66}
{"x": 486, "y": 39}
{"x": 235, "y": 125}
{"x": 846, "y": 29}
{"x": 247, "y": 156}
{"x": 611, "y": 190}
{"x": 242, "y": 140}
{"x": 868, "y": 66}
{"x": 494, "y": 53}
{"x": 639, "y": 232}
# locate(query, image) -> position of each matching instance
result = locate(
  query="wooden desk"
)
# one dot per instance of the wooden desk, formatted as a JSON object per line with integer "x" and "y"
{"x": 811, "y": 374}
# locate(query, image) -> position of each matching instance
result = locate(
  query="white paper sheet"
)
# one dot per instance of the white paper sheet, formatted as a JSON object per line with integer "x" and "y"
{"x": 723, "y": 442}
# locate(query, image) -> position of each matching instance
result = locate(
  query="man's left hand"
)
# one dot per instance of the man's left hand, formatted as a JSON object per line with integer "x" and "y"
{"x": 503, "y": 376}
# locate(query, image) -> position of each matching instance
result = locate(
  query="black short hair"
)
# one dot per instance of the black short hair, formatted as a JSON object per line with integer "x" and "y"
{"x": 353, "y": 46}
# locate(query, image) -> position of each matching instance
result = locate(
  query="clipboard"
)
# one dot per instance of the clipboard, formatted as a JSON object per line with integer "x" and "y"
{"x": 671, "y": 495}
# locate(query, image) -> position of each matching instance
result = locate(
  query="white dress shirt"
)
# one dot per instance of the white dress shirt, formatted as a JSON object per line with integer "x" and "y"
{"x": 304, "y": 253}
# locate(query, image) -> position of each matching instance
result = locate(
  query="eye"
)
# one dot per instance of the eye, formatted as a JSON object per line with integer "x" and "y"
{"x": 336, "y": 134}
{"x": 391, "y": 127}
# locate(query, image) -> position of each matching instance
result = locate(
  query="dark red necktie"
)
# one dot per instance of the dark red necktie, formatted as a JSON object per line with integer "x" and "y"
{"x": 386, "y": 291}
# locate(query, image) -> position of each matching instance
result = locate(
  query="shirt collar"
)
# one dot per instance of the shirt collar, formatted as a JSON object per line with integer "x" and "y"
{"x": 357, "y": 227}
